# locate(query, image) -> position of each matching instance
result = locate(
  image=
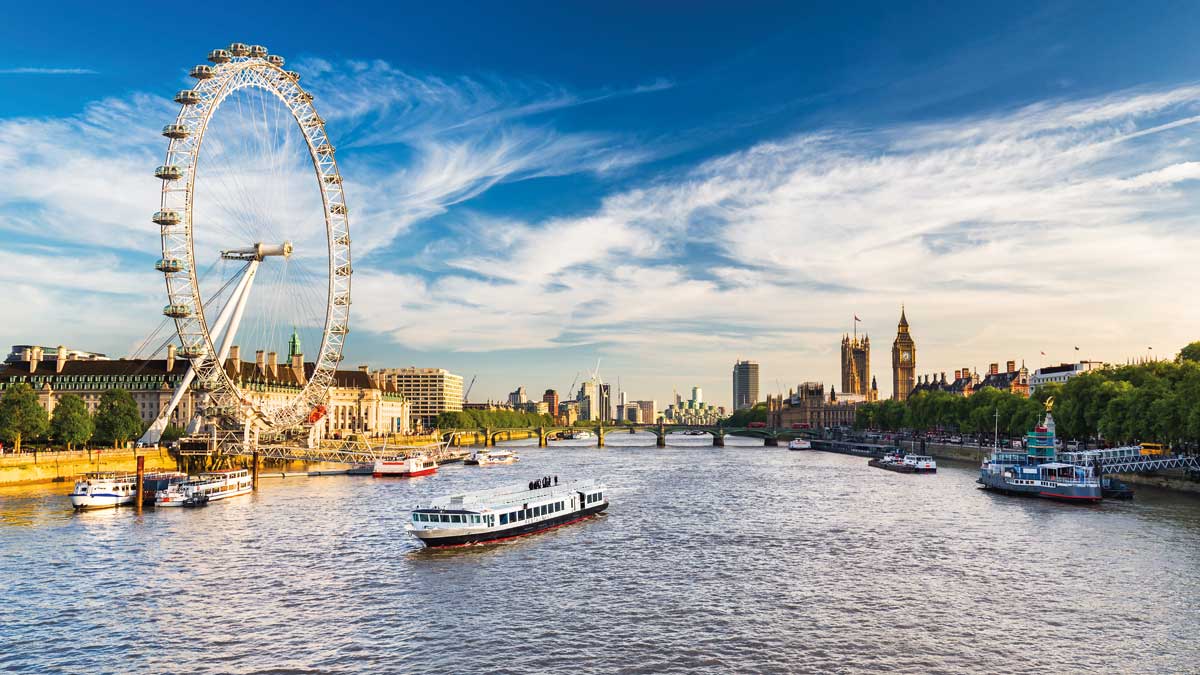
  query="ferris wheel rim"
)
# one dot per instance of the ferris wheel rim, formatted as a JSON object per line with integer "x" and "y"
{"x": 252, "y": 67}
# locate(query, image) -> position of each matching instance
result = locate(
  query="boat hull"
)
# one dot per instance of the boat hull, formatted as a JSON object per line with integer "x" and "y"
{"x": 1081, "y": 494}
{"x": 92, "y": 502}
{"x": 521, "y": 530}
{"x": 888, "y": 466}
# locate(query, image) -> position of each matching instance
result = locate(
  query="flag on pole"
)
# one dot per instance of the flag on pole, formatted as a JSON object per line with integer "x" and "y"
{"x": 856, "y": 318}
{"x": 1043, "y": 353}
{"x": 1077, "y": 348}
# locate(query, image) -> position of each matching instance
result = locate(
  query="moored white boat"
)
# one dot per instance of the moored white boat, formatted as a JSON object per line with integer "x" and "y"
{"x": 407, "y": 467}
{"x": 489, "y": 457}
{"x": 104, "y": 490}
{"x": 504, "y": 513}
{"x": 921, "y": 463}
{"x": 207, "y": 487}
{"x": 799, "y": 444}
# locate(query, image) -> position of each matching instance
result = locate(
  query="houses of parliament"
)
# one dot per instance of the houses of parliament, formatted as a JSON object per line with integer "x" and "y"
{"x": 857, "y": 381}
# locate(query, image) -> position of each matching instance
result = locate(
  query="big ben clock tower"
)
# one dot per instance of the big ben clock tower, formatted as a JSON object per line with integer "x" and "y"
{"x": 904, "y": 361}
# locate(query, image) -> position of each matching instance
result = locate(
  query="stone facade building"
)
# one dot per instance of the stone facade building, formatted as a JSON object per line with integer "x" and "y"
{"x": 856, "y": 364}
{"x": 430, "y": 391}
{"x": 808, "y": 406}
{"x": 356, "y": 405}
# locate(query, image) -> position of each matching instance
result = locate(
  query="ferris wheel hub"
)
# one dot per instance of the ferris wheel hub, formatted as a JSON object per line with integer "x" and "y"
{"x": 259, "y": 251}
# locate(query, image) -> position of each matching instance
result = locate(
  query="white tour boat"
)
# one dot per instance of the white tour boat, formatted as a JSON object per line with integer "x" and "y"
{"x": 104, "y": 490}
{"x": 207, "y": 487}
{"x": 921, "y": 463}
{"x": 799, "y": 444}
{"x": 406, "y": 467}
{"x": 504, "y": 513}
{"x": 489, "y": 457}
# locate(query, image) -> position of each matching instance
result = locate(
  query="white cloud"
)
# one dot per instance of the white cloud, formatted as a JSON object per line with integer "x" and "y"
{"x": 47, "y": 71}
{"x": 1003, "y": 234}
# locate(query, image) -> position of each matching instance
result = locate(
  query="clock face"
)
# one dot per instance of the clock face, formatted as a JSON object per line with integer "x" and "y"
{"x": 905, "y": 356}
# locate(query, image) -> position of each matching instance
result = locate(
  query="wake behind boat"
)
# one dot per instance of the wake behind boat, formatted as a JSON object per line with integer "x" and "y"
{"x": 504, "y": 513}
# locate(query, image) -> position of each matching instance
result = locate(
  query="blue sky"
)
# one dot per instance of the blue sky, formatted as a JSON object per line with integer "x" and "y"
{"x": 662, "y": 186}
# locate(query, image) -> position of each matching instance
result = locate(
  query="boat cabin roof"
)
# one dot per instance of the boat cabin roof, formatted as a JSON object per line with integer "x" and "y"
{"x": 513, "y": 494}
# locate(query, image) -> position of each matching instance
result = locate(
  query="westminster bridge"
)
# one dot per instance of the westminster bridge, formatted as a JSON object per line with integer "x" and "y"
{"x": 488, "y": 436}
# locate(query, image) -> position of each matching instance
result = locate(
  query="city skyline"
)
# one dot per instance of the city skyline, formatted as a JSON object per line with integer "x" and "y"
{"x": 507, "y": 204}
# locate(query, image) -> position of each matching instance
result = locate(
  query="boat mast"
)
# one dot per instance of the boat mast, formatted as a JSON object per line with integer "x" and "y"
{"x": 996, "y": 432}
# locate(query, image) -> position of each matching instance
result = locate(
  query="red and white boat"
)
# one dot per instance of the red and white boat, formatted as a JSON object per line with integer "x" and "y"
{"x": 408, "y": 467}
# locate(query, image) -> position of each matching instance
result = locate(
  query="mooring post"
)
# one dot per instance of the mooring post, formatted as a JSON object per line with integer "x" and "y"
{"x": 141, "y": 477}
{"x": 254, "y": 472}
{"x": 600, "y": 436}
{"x": 718, "y": 440}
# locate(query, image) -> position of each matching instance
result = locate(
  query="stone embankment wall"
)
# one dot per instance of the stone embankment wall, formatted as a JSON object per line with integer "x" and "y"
{"x": 46, "y": 467}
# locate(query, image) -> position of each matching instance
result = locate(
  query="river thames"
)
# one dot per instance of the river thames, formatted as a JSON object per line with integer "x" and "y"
{"x": 734, "y": 560}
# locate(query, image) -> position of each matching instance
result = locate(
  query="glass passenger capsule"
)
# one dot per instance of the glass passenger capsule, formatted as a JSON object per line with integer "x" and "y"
{"x": 191, "y": 352}
{"x": 177, "y": 311}
{"x": 275, "y": 60}
{"x": 339, "y": 329}
{"x": 314, "y": 121}
{"x": 166, "y": 217}
{"x": 292, "y": 74}
{"x": 168, "y": 172}
{"x": 342, "y": 300}
{"x": 257, "y": 51}
{"x": 239, "y": 49}
{"x": 187, "y": 97}
{"x": 176, "y": 131}
{"x": 218, "y": 56}
{"x": 332, "y": 179}
{"x": 170, "y": 265}
{"x": 343, "y": 240}
{"x": 202, "y": 72}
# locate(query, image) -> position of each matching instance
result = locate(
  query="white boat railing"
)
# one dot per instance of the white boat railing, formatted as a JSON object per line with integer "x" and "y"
{"x": 510, "y": 494}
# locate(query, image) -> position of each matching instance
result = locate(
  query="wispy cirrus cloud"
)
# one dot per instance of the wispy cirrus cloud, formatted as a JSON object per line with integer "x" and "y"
{"x": 1001, "y": 232}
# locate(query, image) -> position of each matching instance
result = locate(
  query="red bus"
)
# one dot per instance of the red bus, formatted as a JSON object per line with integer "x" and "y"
{"x": 757, "y": 425}
{"x": 801, "y": 425}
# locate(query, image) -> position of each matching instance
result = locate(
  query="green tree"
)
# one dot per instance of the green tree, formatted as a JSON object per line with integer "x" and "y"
{"x": 71, "y": 424}
{"x": 172, "y": 433}
{"x": 1190, "y": 353}
{"x": 21, "y": 416}
{"x": 743, "y": 417}
{"x": 117, "y": 418}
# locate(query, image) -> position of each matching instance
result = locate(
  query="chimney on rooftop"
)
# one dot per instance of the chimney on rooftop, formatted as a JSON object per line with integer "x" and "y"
{"x": 273, "y": 365}
{"x": 35, "y": 355}
{"x": 363, "y": 369}
{"x": 235, "y": 356}
{"x": 260, "y": 362}
{"x": 298, "y": 367}
{"x": 994, "y": 369}
{"x": 171, "y": 357}
{"x": 957, "y": 374}
{"x": 1012, "y": 366}
{"x": 60, "y": 359}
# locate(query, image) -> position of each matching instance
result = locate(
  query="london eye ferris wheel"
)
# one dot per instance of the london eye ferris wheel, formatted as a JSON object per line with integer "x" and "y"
{"x": 255, "y": 240}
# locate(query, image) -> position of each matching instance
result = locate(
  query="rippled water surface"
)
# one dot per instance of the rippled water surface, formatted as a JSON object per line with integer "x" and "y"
{"x": 734, "y": 560}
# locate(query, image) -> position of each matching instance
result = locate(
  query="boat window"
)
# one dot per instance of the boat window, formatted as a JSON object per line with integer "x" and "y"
{"x": 456, "y": 518}
{"x": 503, "y": 518}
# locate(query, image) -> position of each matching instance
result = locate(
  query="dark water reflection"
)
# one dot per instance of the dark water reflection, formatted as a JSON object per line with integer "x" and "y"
{"x": 743, "y": 559}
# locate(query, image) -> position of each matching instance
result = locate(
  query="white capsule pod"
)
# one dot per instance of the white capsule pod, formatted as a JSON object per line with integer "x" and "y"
{"x": 168, "y": 172}
{"x": 202, "y": 72}
{"x": 176, "y": 131}
{"x": 332, "y": 179}
{"x": 341, "y": 300}
{"x": 191, "y": 351}
{"x": 170, "y": 265}
{"x": 219, "y": 56}
{"x": 257, "y": 51}
{"x": 342, "y": 240}
{"x": 177, "y": 311}
{"x": 342, "y": 270}
{"x": 275, "y": 60}
{"x": 339, "y": 329}
{"x": 239, "y": 49}
{"x": 314, "y": 121}
{"x": 187, "y": 97}
{"x": 166, "y": 217}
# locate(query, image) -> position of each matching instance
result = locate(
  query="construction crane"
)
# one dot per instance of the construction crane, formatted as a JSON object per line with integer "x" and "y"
{"x": 568, "y": 396}
{"x": 468, "y": 391}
